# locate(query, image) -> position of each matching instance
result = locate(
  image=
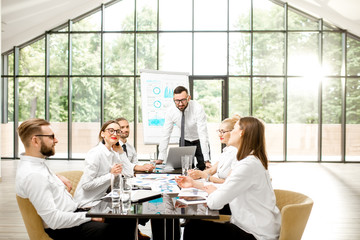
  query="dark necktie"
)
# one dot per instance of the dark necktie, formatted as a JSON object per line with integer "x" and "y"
{"x": 124, "y": 148}
{"x": 182, "y": 137}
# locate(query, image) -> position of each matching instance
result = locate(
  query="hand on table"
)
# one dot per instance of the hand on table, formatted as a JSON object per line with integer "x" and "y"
{"x": 184, "y": 181}
{"x": 196, "y": 174}
{"x": 148, "y": 167}
{"x": 159, "y": 161}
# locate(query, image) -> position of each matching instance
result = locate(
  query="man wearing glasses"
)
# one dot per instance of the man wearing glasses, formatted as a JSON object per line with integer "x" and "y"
{"x": 46, "y": 191}
{"x": 188, "y": 116}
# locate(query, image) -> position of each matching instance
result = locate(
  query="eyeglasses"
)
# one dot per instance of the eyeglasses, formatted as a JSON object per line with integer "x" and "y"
{"x": 52, "y": 136}
{"x": 183, "y": 101}
{"x": 112, "y": 131}
{"x": 222, "y": 132}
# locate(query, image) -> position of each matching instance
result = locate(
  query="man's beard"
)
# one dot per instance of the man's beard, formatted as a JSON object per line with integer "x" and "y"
{"x": 46, "y": 151}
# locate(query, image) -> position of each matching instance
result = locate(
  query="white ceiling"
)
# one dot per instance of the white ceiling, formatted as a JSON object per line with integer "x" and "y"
{"x": 23, "y": 20}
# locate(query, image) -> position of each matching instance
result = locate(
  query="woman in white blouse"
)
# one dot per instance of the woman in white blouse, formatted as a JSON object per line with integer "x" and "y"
{"x": 100, "y": 162}
{"x": 221, "y": 169}
{"x": 247, "y": 189}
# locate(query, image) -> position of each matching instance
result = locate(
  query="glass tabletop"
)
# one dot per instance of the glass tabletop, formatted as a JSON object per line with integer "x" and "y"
{"x": 166, "y": 206}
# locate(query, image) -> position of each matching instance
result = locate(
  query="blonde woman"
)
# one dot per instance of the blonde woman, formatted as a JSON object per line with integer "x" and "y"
{"x": 221, "y": 169}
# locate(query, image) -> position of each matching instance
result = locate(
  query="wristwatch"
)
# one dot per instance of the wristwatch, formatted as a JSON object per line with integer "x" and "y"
{"x": 208, "y": 177}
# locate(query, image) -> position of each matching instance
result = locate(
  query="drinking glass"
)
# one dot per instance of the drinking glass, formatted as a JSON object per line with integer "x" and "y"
{"x": 185, "y": 164}
{"x": 126, "y": 195}
{"x": 152, "y": 158}
{"x": 191, "y": 160}
{"x": 115, "y": 190}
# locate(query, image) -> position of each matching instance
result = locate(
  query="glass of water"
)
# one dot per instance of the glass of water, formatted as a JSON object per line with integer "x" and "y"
{"x": 152, "y": 158}
{"x": 126, "y": 195}
{"x": 185, "y": 164}
{"x": 115, "y": 190}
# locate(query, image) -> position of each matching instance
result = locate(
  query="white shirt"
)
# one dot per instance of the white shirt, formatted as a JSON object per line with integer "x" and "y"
{"x": 131, "y": 153}
{"x": 252, "y": 200}
{"x": 195, "y": 127}
{"x": 226, "y": 160}
{"x": 48, "y": 194}
{"x": 96, "y": 178}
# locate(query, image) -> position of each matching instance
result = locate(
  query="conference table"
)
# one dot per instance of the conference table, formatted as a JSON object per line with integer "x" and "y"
{"x": 164, "y": 206}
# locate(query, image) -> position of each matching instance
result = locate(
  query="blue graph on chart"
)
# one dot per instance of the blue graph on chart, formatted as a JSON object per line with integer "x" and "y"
{"x": 156, "y": 122}
{"x": 168, "y": 93}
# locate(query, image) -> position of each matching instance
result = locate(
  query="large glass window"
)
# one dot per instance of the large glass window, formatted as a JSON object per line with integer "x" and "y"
{"x": 146, "y": 52}
{"x": 352, "y": 119}
{"x": 58, "y": 60}
{"x": 119, "y": 98}
{"x": 239, "y": 96}
{"x": 268, "y": 105}
{"x": 239, "y": 54}
{"x": 7, "y": 128}
{"x": 119, "y": 53}
{"x": 210, "y": 15}
{"x": 175, "y": 52}
{"x": 120, "y": 16}
{"x": 268, "y": 54}
{"x": 86, "y": 54}
{"x": 58, "y": 110}
{"x": 171, "y": 11}
{"x": 210, "y": 54}
{"x": 85, "y": 115}
{"x": 32, "y": 59}
{"x": 331, "y": 119}
{"x": 207, "y": 92}
{"x": 302, "y": 109}
{"x": 251, "y": 57}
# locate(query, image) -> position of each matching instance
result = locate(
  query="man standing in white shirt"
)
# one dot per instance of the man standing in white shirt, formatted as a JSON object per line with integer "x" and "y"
{"x": 129, "y": 149}
{"x": 48, "y": 194}
{"x": 191, "y": 115}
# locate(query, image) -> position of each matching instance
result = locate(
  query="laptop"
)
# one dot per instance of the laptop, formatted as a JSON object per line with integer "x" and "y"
{"x": 173, "y": 160}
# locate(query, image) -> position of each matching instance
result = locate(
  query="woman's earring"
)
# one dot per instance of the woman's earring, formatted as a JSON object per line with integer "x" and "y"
{"x": 103, "y": 141}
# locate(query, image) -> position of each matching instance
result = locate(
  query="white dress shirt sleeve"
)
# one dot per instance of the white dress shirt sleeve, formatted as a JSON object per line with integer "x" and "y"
{"x": 166, "y": 133}
{"x": 90, "y": 178}
{"x": 38, "y": 190}
{"x": 128, "y": 167}
{"x": 132, "y": 155}
{"x": 203, "y": 133}
{"x": 236, "y": 183}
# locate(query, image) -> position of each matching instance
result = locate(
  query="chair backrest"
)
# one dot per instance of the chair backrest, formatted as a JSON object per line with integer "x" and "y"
{"x": 33, "y": 222}
{"x": 295, "y": 211}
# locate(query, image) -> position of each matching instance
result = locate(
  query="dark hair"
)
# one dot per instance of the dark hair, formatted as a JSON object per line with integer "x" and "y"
{"x": 29, "y": 128}
{"x": 252, "y": 140}
{"x": 121, "y": 119}
{"x": 180, "y": 89}
{"x": 104, "y": 126}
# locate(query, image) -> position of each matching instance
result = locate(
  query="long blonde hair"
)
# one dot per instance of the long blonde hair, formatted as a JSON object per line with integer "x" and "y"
{"x": 230, "y": 122}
